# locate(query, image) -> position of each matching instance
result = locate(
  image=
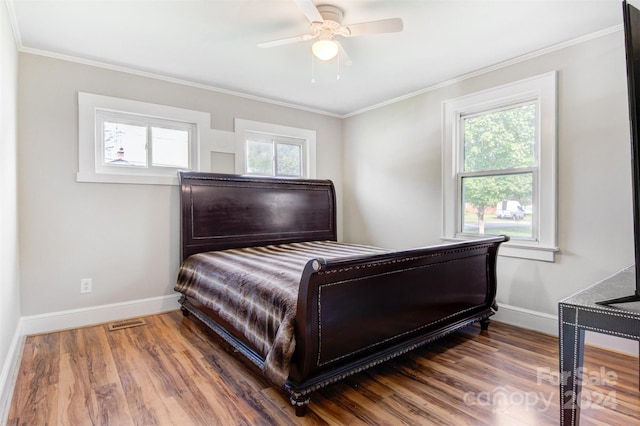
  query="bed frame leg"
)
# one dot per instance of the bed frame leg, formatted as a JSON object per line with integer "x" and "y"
{"x": 300, "y": 403}
{"x": 484, "y": 324}
{"x": 181, "y": 301}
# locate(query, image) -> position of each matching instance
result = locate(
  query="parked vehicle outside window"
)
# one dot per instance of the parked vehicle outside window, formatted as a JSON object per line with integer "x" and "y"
{"x": 509, "y": 209}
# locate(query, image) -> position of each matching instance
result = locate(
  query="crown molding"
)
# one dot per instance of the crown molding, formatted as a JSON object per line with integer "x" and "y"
{"x": 128, "y": 70}
{"x": 500, "y": 65}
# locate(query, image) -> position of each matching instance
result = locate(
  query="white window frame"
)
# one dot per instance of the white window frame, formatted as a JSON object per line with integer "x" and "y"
{"x": 90, "y": 148}
{"x": 543, "y": 89}
{"x": 278, "y": 132}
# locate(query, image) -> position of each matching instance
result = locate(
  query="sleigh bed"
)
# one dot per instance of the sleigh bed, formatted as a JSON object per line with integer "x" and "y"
{"x": 261, "y": 266}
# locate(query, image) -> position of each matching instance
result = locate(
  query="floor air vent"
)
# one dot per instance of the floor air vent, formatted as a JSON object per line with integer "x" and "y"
{"x": 126, "y": 324}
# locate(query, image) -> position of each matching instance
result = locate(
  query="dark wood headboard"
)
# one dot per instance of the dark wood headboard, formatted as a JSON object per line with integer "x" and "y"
{"x": 220, "y": 211}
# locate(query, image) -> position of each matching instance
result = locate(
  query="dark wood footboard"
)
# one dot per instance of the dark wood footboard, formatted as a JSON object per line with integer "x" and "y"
{"x": 356, "y": 313}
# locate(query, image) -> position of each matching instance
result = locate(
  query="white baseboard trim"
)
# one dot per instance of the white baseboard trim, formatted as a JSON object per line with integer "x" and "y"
{"x": 9, "y": 373}
{"x": 62, "y": 320}
{"x": 548, "y": 324}
{"x": 526, "y": 318}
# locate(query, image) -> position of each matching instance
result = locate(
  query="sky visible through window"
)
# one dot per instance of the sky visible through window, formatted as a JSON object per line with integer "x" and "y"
{"x": 126, "y": 145}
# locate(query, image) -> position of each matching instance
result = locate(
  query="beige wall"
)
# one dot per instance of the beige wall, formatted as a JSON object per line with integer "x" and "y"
{"x": 386, "y": 164}
{"x": 125, "y": 237}
{"x": 392, "y": 174}
{"x": 9, "y": 272}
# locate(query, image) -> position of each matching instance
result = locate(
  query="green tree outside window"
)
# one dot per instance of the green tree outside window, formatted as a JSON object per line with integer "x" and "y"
{"x": 498, "y": 165}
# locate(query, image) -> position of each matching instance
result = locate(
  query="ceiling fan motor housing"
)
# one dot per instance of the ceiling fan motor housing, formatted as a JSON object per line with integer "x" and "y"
{"x": 330, "y": 13}
{"x": 332, "y": 21}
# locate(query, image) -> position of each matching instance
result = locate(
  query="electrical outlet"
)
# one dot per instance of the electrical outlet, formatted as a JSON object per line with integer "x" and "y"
{"x": 86, "y": 285}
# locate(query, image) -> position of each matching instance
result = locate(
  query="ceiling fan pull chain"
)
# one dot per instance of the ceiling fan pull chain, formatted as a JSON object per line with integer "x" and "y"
{"x": 338, "y": 74}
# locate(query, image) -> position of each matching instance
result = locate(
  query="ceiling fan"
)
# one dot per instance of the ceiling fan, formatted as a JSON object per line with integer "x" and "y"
{"x": 326, "y": 24}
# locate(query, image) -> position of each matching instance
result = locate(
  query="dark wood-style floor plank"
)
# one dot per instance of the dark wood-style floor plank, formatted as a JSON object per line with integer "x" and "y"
{"x": 172, "y": 371}
{"x": 38, "y": 380}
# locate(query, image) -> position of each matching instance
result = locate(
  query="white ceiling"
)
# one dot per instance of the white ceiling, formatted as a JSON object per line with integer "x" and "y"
{"x": 213, "y": 42}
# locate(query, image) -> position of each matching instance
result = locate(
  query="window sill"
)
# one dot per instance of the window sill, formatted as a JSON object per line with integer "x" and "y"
{"x": 521, "y": 250}
{"x": 116, "y": 178}
{"x": 545, "y": 254}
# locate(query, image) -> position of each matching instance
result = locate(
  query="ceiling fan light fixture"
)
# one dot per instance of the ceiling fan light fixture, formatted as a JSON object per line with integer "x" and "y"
{"x": 326, "y": 23}
{"x": 325, "y": 49}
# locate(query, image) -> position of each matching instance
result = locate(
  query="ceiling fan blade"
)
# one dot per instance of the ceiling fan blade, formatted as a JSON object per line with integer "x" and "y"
{"x": 343, "y": 53}
{"x": 284, "y": 41}
{"x": 310, "y": 11}
{"x": 392, "y": 25}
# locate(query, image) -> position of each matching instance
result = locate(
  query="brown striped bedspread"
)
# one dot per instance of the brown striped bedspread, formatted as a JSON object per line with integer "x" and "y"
{"x": 256, "y": 291}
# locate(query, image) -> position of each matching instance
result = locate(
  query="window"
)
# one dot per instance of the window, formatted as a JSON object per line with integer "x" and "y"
{"x": 272, "y": 150}
{"x": 124, "y": 141}
{"x": 271, "y": 155}
{"x": 128, "y": 142}
{"x": 496, "y": 175}
{"x": 499, "y": 167}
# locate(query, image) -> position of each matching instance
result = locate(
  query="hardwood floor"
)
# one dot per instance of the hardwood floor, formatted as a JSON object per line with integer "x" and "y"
{"x": 172, "y": 371}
